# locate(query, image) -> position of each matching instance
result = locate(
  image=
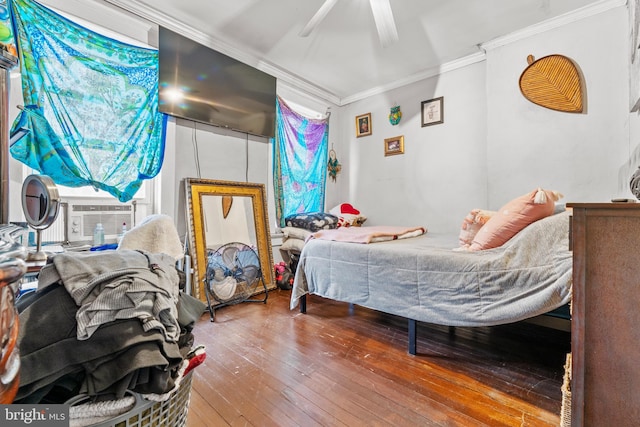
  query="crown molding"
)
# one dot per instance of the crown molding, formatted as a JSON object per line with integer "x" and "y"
{"x": 567, "y": 18}
{"x": 430, "y": 72}
{"x": 250, "y": 58}
{"x": 550, "y": 24}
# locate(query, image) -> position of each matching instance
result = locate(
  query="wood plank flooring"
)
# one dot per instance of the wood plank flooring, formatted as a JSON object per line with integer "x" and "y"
{"x": 340, "y": 365}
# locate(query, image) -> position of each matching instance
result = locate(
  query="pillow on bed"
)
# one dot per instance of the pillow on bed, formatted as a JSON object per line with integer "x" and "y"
{"x": 292, "y": 245}
{"x": 513, "y": 217}
{"x": 314, "y": 221}
{"x": 471, "y": 224}
{"x": 296, "y": 233}
{"x": 348, "y": 215}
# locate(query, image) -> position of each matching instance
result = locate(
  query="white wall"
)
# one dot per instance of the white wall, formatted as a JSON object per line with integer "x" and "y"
{"x": 221, "y": 154}
{"x": 443, "y": 169}
{"x": 633, "y": 162}
{"x": 494, "y": 144}
{"x": 576, "y": 154}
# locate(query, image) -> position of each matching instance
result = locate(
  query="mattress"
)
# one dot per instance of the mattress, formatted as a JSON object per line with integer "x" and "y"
{"x": 424, "y": 279}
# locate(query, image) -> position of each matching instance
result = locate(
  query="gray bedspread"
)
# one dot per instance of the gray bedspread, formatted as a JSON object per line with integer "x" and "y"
{"x": 422, "y": 278}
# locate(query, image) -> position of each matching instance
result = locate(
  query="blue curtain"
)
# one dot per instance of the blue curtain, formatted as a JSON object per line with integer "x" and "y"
{"x": 91, "y": 104}
{"x": 300, "y": 162}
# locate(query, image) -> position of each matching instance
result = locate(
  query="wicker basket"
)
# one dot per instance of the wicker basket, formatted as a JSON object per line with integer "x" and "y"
{"x": 170, "y": 413}
{"x": 565, "y": 413}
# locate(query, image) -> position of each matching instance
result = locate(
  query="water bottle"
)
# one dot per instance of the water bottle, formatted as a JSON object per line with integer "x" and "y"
{"x": 124, "y": 230}
{"x": 98, "y": 235}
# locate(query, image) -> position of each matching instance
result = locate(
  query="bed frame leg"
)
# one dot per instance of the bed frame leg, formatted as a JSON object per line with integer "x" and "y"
{"x": 303, "y": 304}
{"x": 412, "y": 336}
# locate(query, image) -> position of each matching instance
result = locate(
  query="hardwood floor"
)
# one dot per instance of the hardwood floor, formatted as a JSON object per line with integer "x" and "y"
{"x": 340, "y": 365}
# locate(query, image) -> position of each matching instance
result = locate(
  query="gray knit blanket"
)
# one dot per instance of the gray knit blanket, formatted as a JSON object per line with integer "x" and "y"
{"x": 422, "y": 278}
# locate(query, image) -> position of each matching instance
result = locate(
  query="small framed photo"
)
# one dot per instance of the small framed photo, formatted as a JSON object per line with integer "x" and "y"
{"x": 433, "y": 111}
{"x": 394, "y": 146}
{"x": 363, "y": 125}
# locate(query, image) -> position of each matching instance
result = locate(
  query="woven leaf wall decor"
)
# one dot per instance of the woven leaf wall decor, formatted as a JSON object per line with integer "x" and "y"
{"x": 553, "y": 82}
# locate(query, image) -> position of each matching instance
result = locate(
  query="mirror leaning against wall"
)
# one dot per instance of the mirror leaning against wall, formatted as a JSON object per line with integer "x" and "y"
{"x": 221, "y": 212}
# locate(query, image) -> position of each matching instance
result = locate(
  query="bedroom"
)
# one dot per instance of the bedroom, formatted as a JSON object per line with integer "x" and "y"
{"x": 494, "y": 145}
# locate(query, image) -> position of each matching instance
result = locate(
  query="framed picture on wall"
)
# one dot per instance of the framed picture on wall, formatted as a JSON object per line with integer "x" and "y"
{"x": 363, "y": 125}
{"x": 394, "y": 146}
{"x": 433, "y": 111}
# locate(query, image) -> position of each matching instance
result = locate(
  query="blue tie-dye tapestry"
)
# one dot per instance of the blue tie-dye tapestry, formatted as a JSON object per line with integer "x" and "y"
{"x": 91, "y": 104}
{"x": 300, "y": 162}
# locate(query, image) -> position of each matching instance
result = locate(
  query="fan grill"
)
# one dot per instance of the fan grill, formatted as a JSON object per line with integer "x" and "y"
{"x": 233, "y": 275}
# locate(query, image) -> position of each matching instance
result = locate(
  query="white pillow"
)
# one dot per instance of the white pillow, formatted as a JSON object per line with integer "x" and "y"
{"x": 348, "y": 215}
{"x": 292, "y": 245}
{"x": 296, "y": 233}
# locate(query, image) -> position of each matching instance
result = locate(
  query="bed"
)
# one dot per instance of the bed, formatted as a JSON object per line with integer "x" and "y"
{"x": 423, "y": 279}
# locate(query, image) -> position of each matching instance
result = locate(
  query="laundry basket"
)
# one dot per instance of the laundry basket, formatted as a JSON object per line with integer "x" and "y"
{"x": 145, "y": 413}
{"x": 565, "y": 411}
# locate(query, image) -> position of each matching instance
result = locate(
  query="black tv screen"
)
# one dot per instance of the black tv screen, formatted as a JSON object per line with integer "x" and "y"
{"x": 201, "y": 84}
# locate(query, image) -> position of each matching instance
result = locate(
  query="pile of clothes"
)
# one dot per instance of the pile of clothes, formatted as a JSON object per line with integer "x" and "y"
{"x": 104, "y": 323}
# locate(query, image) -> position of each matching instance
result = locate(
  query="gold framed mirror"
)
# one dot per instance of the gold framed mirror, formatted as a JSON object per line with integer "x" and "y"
{"x": 220, "y": 212}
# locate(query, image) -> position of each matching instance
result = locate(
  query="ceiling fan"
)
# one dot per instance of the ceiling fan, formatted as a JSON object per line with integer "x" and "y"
{"x": 382, "y": 15}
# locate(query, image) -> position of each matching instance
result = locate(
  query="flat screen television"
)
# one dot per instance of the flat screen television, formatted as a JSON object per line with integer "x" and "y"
{"x": 201, "y": 84}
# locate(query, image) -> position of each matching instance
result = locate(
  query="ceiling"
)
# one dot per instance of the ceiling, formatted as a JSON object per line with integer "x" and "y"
{"x": 342, "y": 60}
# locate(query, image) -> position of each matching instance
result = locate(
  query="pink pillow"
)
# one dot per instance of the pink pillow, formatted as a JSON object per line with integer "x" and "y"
{"x": 513, "y": 217}
{"x": 471, "y": 224}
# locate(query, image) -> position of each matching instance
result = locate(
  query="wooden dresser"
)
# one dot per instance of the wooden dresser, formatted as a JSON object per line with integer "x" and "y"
{"x": 605, "y": 327}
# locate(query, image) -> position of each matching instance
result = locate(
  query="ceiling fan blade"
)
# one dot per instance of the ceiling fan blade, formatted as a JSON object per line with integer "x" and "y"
{"x": 319, "y": 16}
{"x": 385, "y": 24}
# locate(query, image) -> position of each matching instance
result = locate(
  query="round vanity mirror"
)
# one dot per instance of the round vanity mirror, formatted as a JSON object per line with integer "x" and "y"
{"x": 40, "y": 203}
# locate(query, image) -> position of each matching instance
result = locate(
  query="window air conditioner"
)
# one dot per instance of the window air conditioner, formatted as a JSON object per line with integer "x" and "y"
{"x": 82, "y": 220}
